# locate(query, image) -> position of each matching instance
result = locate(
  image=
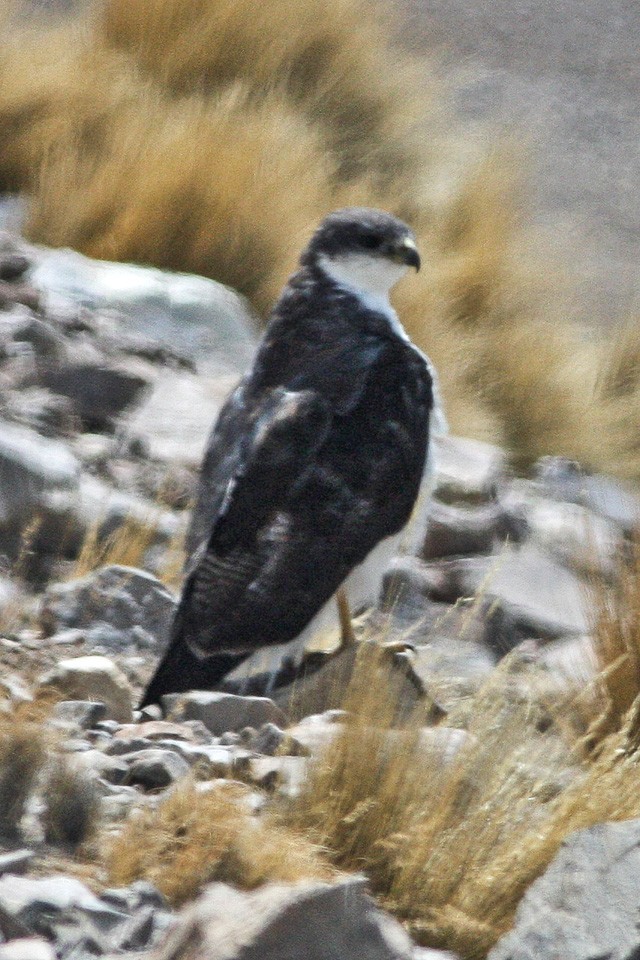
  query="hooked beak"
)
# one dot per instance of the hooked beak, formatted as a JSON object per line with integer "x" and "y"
{"x": 407, "y": 252}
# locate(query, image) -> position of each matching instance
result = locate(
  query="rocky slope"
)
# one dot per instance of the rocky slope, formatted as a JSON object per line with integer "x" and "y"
{"x": 109, "y": 379}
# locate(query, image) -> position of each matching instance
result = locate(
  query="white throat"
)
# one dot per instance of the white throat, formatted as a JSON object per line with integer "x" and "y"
{"x": 370, "y": 279}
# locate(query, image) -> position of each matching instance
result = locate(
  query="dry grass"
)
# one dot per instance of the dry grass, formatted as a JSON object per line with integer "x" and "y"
{"x": 451, "y": 847}
{"x": 331, "y": 58}
{"x": 23, "y": 750}
{"x": 72, "y": 804}
{"x": 194, "y": 838}
{"x": 211, "y": 136}
{"x": 128, "y": 546}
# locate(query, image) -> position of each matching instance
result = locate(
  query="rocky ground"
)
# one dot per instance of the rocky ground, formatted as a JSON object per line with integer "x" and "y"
{"x": 109, "y": 379}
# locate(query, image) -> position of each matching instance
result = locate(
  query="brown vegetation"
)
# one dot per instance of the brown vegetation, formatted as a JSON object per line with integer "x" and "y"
{"x": 212, "y": 136}
{"x": 450, "y": 847}
{"x": 192, "y": 838}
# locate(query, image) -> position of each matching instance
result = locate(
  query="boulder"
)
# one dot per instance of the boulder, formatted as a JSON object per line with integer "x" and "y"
{"x": 117, "y": 607}
{"x": 221, "y": 712}
{"x": 586, "y": 904}
{"x": 27, "y": 948}
{"x": 317, "y": 921}
{"x": 155, "y": 768}
{"x": 93, "y": 678}
{"x": 467, "y": 470}
{"x": 560, "y": 479}
{"x": 30, "y": 468}
{"x": 99, "y": 391}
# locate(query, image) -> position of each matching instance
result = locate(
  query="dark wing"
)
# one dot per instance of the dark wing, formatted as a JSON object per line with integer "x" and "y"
{"x": 313, "y": 492}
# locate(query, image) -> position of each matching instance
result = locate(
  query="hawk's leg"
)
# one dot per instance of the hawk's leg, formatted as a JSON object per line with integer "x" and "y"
{"x": 348, "y": 636}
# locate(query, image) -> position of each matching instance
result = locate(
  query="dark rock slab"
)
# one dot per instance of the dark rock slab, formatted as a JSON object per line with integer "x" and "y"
{"x": 586, "y": 904}
{"x": 155, "y": 769}
{"x": 317, "y": 921}
{"x": 99, "y": 391}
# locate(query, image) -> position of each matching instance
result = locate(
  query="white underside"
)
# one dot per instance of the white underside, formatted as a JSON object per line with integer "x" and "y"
{"x": 371, "y": 285}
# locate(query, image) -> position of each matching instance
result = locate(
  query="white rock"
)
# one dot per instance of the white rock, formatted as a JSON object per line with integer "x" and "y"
{"x": 222, "y": 712}
{"x": 467, "y": 469}
{"x": 27, "y": 948}
{"x": 94, "y": 678}
{"x": 195, "y": 315}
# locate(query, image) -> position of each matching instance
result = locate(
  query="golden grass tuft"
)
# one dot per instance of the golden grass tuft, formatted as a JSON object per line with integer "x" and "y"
{"x": 211, "y": 136}
{"x": 452, "y": 847}
{"x": 331, "y": 58}
{"x": 23, "y": 749}
{"x": 193, "y": 838}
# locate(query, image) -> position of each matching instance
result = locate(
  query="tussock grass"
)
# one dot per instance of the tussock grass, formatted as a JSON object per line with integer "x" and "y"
{"x": 23, "y": 750}
{"x": 193, "y": 838}
{"x": 331, "y": 58}
{"x": 451, "y": 847}
{"x": 211, "y": 136}
{"x": 616, "y": 632}
{"x": 72, "y": 805}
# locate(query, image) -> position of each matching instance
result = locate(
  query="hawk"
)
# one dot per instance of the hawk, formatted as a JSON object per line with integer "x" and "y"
{"x": 313, "y": 469}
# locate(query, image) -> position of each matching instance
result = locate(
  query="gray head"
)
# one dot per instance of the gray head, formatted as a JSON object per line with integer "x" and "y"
{"x": 363, "y": 248}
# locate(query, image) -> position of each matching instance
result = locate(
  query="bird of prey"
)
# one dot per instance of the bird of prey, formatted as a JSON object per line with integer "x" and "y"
{"x": 315, "y": 464}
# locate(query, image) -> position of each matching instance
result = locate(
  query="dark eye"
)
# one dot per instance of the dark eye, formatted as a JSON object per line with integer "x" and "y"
{"x": 371, "y": 242}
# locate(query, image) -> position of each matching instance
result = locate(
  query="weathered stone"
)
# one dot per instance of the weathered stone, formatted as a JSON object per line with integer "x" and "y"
{"x": 13, "y": 265}
{"x": 119, "y": 607}
{"x": 317, "y": 921}
{"x": 268, "y": 740}
{"x": 31, "y": 899}
{"x": 93, "y": 678}
{"x": 154, "y": 769}
{"x": 286, "y": 774}
{"x": 27, "y": 948}
{"x": 155, "y": 730}
{"x": 561, "y": 479}
{"x": 175, "y": 417}
{"x": 80, "y": 714}
{"x": 30, "y": 467}
{"x": 467, "y": 470}
{"x": 16, "y": 862}
{"x": 96, "y": 503}
{"x": 576, "y": 536}
{"x": 315, "y": 733}
{"x": 99, "y": 392}
{"x": 585, "y": 905}
{"x": 454, "y": 529}
{"x": 221, "y": 712}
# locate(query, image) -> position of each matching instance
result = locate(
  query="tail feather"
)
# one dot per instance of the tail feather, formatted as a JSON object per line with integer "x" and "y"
{"x": 181, "y": 670}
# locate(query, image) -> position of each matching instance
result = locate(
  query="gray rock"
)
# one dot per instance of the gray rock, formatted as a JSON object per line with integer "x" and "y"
{"x": 93, "y": 678}
{"x": 71, "y": 515}
{"x": 285, "y": 774}
{"x": 155, "y": 768}
{"x": 198, "y": 317}
{"x": 317, "y": 921}
{"x": 576, "y": 536}
{"x": 268, "y": 739}
{"x": 27, "y": 948}
{"x": 79, "y": 714}
{"x": 16, "y": 862}
{"x": 461, "y": 530}
{"x": 31, "y": 467}
{"x": 467, "y": 470}
{"x": 174, "y": 419}
{"x": 32, "y": 900}
{"x": 119, "y": 608}
{"x": 541, "y": 597}
{"x": 221, "y": 712}
{"x": 562, "y": 479}
{"x": 586, "y": 904}
{"x": 99, "y": 391}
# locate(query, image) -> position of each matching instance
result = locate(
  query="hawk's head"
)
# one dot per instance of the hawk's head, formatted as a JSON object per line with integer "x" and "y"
{"x": 364, "y": 249}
